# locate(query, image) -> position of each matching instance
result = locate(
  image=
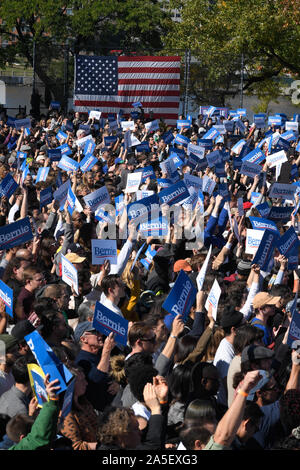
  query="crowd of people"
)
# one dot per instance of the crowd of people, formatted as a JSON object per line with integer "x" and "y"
{"x": 223, "y": 379}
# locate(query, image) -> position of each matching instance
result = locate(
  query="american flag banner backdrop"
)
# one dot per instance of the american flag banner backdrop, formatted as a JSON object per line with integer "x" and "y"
{"x": 111, "y": 83}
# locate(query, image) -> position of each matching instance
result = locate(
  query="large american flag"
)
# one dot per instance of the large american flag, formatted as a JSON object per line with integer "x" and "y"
{"x": 111, "y": 83}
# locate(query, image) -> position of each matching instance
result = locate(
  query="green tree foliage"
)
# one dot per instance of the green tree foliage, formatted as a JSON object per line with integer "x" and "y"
{"x": 92, "y": 26}
{"x": 218, "y": 33}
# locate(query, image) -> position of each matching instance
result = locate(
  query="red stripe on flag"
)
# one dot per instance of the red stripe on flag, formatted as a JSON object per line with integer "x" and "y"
{"x": 114, "y": 104}
{"x": 150, "y": 81}
{"x": 152, "y": 70}
{"x": 149, "y": 59}
{"x": 149, "y": 93}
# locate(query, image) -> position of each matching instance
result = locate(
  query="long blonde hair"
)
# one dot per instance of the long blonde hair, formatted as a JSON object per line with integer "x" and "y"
{"x": 128, "y": 275}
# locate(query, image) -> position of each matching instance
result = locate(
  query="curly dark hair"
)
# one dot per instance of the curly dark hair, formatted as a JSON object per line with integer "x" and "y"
{"x": 114, "y": 423}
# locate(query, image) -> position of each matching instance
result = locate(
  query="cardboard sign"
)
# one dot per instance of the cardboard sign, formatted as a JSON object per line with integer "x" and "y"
{"x": 181, "y": 297}
{"x": 97, "y": 198}
{"x": 107, "y": 321}
{"x": 133, "y": 182}
{"x": 265, "y": 250}
{"x": 69, "y": 273}
{"x": 6, "y": 294}
{"x": 42, "y": 174}
{"x": 103, "y": 250}
{"x": 46, "y": 197}
{"x": 258, "y": 223}
{"x": 37, "y": 377}
{"x": 15, "y": 234}
{"x": 201, "y": 276}
{"x": 284, "y": 191}
{"x": 48, "y": 361}
{"x": 276, "y": 158}
{"x": 253, "y": 239}
{"x": 87, "y": 163}
{"x": 8, "y": 186}
{"x": 213, "y": 298}
{"x": 68, "y": 164}
{"x": 174, "y": 194}
{"x": 144, "y": 207}
{"x": 250, "y": 169}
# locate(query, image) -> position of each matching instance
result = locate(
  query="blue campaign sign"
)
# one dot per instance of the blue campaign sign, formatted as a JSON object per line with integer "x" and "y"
{"x": 223, "y": 191}
{"x": 164, "y": 182}
{"x": 89, "y": 147}
{"x": 288, "y": 242}
{"x": 254, "y": 197}
{"x": 289, "y": 136}
{"x": 64, "y": 149}
{"x": 211, "y": 134}
{"x": 213, "y": 158}
{"x": 55, "y": 104}
{"x": 69, "y": 126}
{"x": 6, "y": 294}
{"x": 111, "y": 139}
{"x": 258, "y": 223}
{"x": 48, "y": 361}
{"x": 255, "y": 156}
{"x": 143, "y": 147}
{"x": 26, "y": 123}
{"x": 240, "y": 125}
{"x": 174, "y": 194}
{"x": 96, "y": 198}
{"x": 103, "y": 250}
{"x": 206, "y": 143}
{"x": 54, "y": 154}
{"x": 104, "y": 216}
{"x": 61, "y": 135}
{"x": 22, "y": 155}
{"x": 181, "y": 140}
{"x": 176, "y": 159}
{"x": 275, "y": 121}
{"x": 229, "y": 126}
{"x": 119, "y": 203}
{"x": 154, "y": 228}
{"x": 36, "y": 377}
{"x": 71, "y": 200}
{"x": 46, "y": 197}
{"x": 237, "y": 163}
{"x": 263, "y": 209}
{"x": 68, "y": 164}
{"x": 250, "y": 169}
{"x": 87, "y": 163}
{"x": 280, "y": 214}
{"x": 138, "y": 104}
{"x": 42, "y": 174}
{"x": 15, "y": 234}
{"x": 181, "y": 297}
{"x": 147, "y": 172}
{"x": 106, "y": 321}
{"x": 168, "y": 137}
{"x": 8, "y": 186}
{"x": 294, "y": 330}
{"x": 265, "y": 250}
{"x": 183, "y": 123}
{"x": 68, "y": 399}
{"x": 220, "y": 170}
{"x": 282, "y": 144}
{"x": 143, "y": 208}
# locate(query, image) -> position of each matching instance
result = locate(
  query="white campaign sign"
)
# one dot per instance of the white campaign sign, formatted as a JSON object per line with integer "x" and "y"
{"x": 213, "y": 299}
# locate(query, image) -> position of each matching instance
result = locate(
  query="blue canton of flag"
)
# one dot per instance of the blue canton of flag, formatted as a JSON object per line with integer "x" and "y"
{"x": 99, "y": 78}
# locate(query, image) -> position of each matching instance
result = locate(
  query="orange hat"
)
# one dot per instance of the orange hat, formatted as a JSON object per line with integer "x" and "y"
{"x": 182, "y": 264}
